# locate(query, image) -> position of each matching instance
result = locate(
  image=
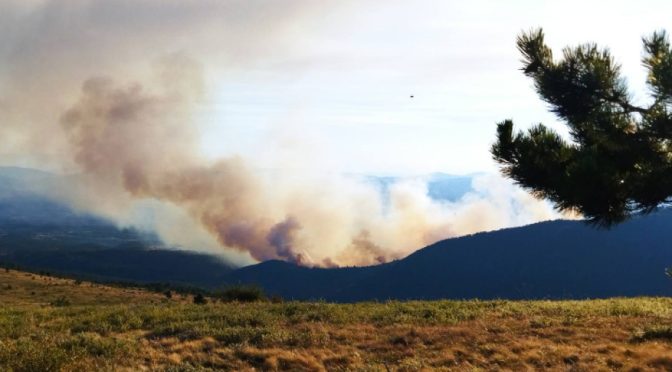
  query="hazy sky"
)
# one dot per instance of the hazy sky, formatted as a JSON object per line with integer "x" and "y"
{"x": 347, "y": 82}
{"x": 331, "y": 79}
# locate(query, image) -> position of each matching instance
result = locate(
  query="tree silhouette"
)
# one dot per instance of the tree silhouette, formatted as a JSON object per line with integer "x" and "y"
{"x": 618, "y": 161}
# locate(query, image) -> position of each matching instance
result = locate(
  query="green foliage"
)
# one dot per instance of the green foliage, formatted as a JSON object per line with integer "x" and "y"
{"x": 243, "y": 293}
{"x": 618, "y": 161}
{"x": 28, "y": 355}
{"x": 55, "y": 352}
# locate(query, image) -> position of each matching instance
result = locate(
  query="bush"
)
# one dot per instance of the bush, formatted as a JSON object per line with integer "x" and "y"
{"x": 60, "y": 302}
{"x": 199, "y": 299}
{"x": 662, "y": 333}
{"x": 241, "y": 294}
{"x": 44, "y": 354}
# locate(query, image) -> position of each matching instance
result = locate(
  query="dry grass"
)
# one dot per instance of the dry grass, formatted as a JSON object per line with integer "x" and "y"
{"x": 107, "y": 328}
{"x": 22, "y": 288}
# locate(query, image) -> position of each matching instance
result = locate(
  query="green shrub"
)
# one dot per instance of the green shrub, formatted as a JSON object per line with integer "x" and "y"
{"x": 43, "y": 354}
{"x": 60, "y": 302}
{"x": 244, "y": 293}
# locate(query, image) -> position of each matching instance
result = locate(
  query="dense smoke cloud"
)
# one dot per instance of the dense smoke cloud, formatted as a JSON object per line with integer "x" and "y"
{"x": 143, "y": 140}
{"x": 125, "y": 122}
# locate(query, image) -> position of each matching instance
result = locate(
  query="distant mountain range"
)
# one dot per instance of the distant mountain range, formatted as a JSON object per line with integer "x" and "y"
{"x": 557, "y": 259}
{"x": 553, "y": 260}
{"x": 38, "y": 233}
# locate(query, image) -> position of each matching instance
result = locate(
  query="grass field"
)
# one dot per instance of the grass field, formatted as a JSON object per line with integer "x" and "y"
{"x": 51, "y": 324}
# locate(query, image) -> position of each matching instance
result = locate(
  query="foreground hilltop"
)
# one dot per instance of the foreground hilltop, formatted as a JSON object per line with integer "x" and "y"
{"x": 52, "y": 324}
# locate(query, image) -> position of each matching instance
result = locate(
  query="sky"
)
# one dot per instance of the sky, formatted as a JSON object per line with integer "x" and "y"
{"x": 333, "y": 79}
{"x": 346, "y": 84}
{"x": 244, "y": 126}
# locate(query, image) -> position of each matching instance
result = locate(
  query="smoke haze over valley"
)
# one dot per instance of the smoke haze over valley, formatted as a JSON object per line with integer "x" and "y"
{"x": 130, "y": 123}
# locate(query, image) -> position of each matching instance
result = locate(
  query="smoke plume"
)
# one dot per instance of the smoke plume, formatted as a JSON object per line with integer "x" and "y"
{"x": 130, "y": 136}
{"x": 143, "y": 141}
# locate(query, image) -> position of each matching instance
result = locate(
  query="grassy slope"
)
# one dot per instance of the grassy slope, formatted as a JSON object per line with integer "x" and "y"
{"x": 105, "y": 328}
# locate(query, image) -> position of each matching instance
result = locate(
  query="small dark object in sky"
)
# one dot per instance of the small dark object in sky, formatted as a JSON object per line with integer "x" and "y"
{"x": 412, "y": 96}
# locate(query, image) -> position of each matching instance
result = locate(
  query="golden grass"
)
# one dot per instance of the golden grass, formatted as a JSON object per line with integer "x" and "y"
{"x": 106, "y": 328}
{"x": 23, "y": 288}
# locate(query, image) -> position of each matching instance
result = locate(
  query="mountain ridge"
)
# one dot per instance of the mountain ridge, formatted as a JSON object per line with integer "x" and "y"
{"x": 504, "y": 263}
{"x": 554, "y": 259}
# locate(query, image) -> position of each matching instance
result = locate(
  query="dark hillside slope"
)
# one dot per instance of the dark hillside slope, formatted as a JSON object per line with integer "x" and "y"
{"x": 40, "y": 234}
{"x": 557, "y": 259}
{"x": 297, "y": 282}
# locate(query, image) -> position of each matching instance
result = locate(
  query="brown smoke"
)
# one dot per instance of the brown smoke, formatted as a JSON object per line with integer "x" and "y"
{"x": 145, "y": 143}
{"x": 133, "y": 143}
{"x": 143, "y": 140}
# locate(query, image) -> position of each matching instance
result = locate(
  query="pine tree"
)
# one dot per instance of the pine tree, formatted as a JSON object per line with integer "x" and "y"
{"x": 618, "y": 161}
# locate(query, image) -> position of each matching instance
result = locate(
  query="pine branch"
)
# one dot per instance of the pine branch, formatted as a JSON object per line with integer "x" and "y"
{"x": 626, "y": 106}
